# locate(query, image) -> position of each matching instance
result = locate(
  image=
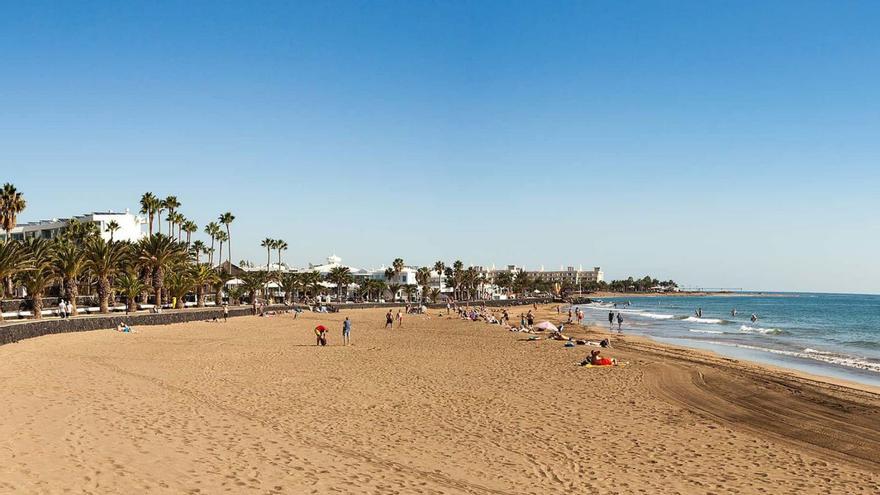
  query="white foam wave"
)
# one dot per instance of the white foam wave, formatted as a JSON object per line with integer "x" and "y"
{"x": 825, "y": 357}
{"x": 814, "y": 351}
{"x": 658, "y": 316}
{"x": 704, "y": 331}
{"x": 703, "y": 320}
{"x": 763, "y": 331}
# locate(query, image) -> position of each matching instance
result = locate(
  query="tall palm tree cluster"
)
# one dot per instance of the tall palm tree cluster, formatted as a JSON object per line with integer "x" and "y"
{"x": 160, "y": 268}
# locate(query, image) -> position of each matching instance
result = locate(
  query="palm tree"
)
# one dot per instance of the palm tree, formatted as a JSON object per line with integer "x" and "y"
{"x": 226, "y": 219}
{"x": 504, "y": 280}
{"x": 435, "y": 294}
{"x": 189, "y": 227}
{"x": 280, "y": 246}
{"x": 112, "y": 227}
{"x": 220, "y": 285}
{"x": 235, "y": 292}
{"x": 269, "y": 244}
{"x": 439, "y": 267}
{"x": 197, "y": 248}
{"x": 149, "y": 205}
{"x": 394, "y": 289}
{"x": 158, "y": 253}
{"x": 70, "y": 263}
{"x": 103, "y": 260}
{"x": 423, "y": 277}
{"x": 211, "y": 229}
{"x": 80, "y": 232}
{"x": 202, "y": 276}
{"x": 290, "y": 284}
{"x": 41, "y": 273}
{"x": 252, "y": 283}
{"x": 178, "y": 282}
{"x": 130, "y": 285}
{"x": 311, "y": 281}
{"x": 12, "y": 203}
{"x": 13, "y": 260}
{"x": 389, "y": 274}
{"x": 221, "y": 238}
{"x": 409, "y": 290}
{"x": 341, "y": 276}
{"x": 397, "y": 264}
{"x": 171, "y": 204}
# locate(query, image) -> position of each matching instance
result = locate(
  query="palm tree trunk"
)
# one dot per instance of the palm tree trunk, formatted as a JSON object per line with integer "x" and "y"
{"x": 71, "y": 291}
{"x": 104, "y": 294}
{"x": 37, "y": 302}
{"x": 229, "y": 247}
{"x": 220, "y": 256}
{"x": 200, "y": 294}
{"x": 211, "y": 254}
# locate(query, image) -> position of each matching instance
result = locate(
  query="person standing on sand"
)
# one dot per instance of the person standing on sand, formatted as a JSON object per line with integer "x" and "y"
{"x": 569, "y": 315}
{"x": 389, "y": 319}
{"x": 399, "y": 319}
{"x": 619, "y": 323}
{"x": 225, "y": 312}
{"x": 448, "y": 307}
{"x": 346, "y": 331}
{"x": 69, "y": 309}
{"x": 62, "y": 309}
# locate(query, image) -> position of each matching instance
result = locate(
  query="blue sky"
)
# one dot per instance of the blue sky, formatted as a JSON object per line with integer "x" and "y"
{"x": 723, "y": 144}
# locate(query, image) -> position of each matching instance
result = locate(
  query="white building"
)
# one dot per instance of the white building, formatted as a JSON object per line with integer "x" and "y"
{"x": 130, "y": 226}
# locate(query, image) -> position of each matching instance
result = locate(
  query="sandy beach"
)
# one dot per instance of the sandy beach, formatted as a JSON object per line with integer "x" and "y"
{"x": 438, "y": 406}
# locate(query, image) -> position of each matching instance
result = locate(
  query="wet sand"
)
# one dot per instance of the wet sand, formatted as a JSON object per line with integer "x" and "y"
{"x": 438, "y": 406}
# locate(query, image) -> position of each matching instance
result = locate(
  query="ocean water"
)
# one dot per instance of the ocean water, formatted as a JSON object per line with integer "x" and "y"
{"x": 828, "y": 334}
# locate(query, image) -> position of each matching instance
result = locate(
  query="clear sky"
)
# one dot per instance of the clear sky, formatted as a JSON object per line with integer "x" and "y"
{"x": 722, "y": 144}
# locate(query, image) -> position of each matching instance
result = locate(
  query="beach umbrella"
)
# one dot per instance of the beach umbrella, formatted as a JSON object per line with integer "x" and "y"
{"x": 546, "y": 325}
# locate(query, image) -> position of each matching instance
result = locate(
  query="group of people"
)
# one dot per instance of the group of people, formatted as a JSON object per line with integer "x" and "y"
{"x": 618, "y": 317}
{"x": 390, "y": 318}
{"x": 321, "y": 333}
{"x": 65, "y": 309}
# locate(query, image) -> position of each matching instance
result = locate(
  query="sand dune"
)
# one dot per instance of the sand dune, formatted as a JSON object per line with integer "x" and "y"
{"x": 439, "y": 406}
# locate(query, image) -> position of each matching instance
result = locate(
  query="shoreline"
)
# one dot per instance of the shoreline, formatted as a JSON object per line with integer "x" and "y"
{"x": 441, "y": 405}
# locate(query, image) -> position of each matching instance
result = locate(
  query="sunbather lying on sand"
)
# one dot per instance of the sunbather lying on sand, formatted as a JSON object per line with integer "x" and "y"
{"x": 596, "y": 360}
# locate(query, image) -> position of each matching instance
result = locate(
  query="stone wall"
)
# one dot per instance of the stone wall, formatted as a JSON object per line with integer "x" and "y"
{"x": 15, "y": 331}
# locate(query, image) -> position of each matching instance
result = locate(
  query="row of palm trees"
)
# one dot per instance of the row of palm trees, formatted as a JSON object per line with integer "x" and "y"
{"x": 219, "y": 231}
{"x": 155, "y": 269}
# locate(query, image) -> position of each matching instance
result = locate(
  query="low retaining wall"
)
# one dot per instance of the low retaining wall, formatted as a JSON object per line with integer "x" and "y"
{"x": 14, "y": 332}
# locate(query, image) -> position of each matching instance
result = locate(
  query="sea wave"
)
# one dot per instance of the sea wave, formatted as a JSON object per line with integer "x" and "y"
{"x": 695, "y": 330}
{"x": 657, "y": 316}
{"x": 763, "y": 331}
{"x": 704, "y": 320}
{"x": 825, "y": 357}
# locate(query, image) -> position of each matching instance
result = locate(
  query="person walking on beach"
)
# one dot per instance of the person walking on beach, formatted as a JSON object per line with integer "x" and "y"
{"x": 448, "y": 306}
{"x": 399, "y": 319}
{"x": 389, "y": 319}
{"x": 225, "y": 312}
{"x": 346, "y": 331}
{"x": 580, "y": 316}
{"x": 619, "y": 323}
{"x": 611, "y": 319}
{"x": 62, "y": 309}
{"x": 569, "y": 315}
{"x": 68, "y": 309}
